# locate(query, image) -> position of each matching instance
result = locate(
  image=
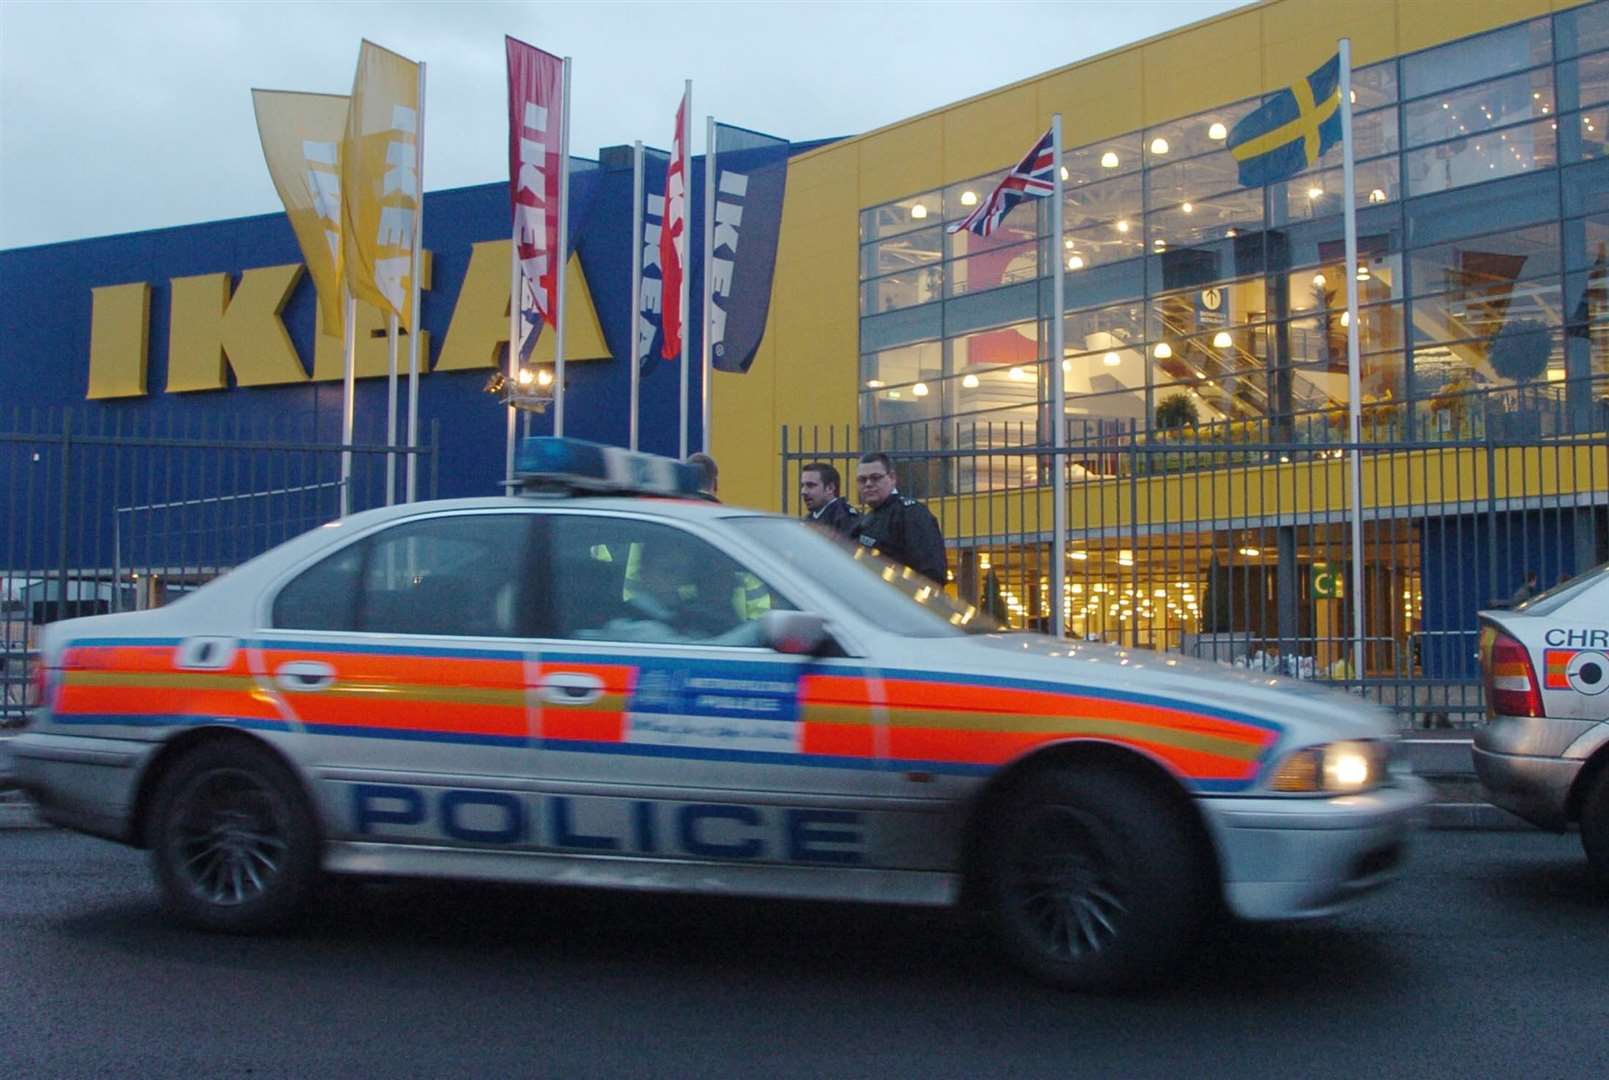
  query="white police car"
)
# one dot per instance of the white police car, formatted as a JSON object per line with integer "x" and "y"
{"x": 1544, "y": 750}
{"x": 580, "y": 686}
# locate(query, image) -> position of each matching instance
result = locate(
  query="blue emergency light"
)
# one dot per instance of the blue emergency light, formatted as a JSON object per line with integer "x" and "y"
{"x": 545, "y": 462}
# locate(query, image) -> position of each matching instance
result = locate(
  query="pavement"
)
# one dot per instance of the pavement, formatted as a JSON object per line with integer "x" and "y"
{"x": 1440, "y": 756}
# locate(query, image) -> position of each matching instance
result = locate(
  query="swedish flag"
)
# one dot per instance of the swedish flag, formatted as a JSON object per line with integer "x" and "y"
{"x": 1292, "y": 130}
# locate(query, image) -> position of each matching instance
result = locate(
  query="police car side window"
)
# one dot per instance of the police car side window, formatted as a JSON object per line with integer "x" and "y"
{"x": 458, "y": 575}
{"x": 622, "y": 579}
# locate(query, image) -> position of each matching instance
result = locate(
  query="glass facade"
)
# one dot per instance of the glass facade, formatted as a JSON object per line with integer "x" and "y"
{"x": 1482, "y": 189}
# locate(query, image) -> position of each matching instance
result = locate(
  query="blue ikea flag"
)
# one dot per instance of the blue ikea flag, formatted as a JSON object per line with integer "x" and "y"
{"x": 753, "y": 175}
{"x": 1291, "y": 130}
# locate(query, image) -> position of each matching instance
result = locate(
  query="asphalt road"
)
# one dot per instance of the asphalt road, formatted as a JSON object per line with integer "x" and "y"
{"x": 1490, "y": 959}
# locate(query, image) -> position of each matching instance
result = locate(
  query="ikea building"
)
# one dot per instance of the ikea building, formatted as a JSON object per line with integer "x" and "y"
{"x": 1205, "y": 329}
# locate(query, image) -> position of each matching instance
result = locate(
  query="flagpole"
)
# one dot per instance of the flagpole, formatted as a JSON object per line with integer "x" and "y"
{"x": 636, "y": 283}
{"x": 512, "y": 377}
{"x": 563, "y": 268}
{"x": 707, "y": 357}
{"x": 391, "y": 408}
{"x": 1354, "y": 381}
{"x": 686, "y": 252}
{"x": 1058, "y": 393}
{"x": 416, "y": 329}
{"x": 348, "y": 389}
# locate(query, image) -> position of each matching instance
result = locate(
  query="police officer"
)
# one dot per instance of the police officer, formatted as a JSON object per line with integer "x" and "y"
{"x": 709, "y": 477}
{"x": 818, "y": 487}
{"x": 899, "y": 528}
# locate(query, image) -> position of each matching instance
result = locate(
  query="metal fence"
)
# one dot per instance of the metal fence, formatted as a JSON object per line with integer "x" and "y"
{"x": 1223, "y": 543}
{"x": 104, "y": 513}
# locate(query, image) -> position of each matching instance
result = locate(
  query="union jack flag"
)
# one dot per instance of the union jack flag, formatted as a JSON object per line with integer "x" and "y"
{"x": 1032, "y": 178}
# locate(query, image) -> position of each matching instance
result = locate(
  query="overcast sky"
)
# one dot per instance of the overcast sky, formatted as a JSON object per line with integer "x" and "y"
{"x": 123, "y": 116}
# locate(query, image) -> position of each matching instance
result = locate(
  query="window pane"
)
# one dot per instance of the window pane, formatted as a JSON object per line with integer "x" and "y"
{"x": 893, "y": 367}
{"x": 988, "y": 389}
{"x": 1102, "y": 160}
{"x": 900, "y": 405}
{"x": 1481, "y": 315}
{"x": 1509, "y": 203}
{"x": 1482, "y": 157}
{"x": 622, "y": 579}
{"x": 1488, "y": 264}
{"x": 1314, "y": 195}
{"x": 1103, "y": 328}
{"x": 1319, "y": 337}
{"x": 1527, "y": 96}
{"x": 1374, "y": 85}
{"x": 1106, "y": 285}
{"x": 1585, "y": 136}
{"x": 1586, "y": 188}
{"x": 1005, "y": 347}
{"x": 1586, "y": 242}
{"x": 1583, "y": 29}
{"x": 1101, "y": 244}
{"x": 963, "y": 198}
{"x": 1017, "y": 228}
{"x": 1213, "y": 308}
{"x": 902, "y": 252}
{"x": 914, "y": 212}
{"x": 1111, "y": 200}
{"x": 1199, "y": 134}
{"x": 457, "y": 575}
{"x": 1189, "y": 181}
{"x": 1497, "y": 53}
{"x": 991, "y": 269}
{"x": 323, "y": 597}
{"x": 1323, "y": 240}
{"x": 1585, "y": 81}
{"x": 902, "y": 327}
{"x": 901, "y": 290}
{"x": 1210, "y": 219}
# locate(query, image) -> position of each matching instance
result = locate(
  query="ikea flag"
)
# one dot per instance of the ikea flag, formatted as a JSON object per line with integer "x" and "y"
{"x": 1292, "y": 130}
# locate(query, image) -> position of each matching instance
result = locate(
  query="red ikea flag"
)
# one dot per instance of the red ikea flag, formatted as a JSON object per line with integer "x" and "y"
{"x": 535, "y": 113}
{"x": 673, "y": 241}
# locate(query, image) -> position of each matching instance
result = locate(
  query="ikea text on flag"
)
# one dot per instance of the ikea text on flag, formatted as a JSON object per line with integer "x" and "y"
{"x": 1030, "y": 178}
{"x": 535, "y": 109}
{"x": 752, "y": 173}
{"x": 301, "y": 136}
{"x": 673, "y": 242}
{"x": 650, "y": 299}
{"x": 1291, "y": 130}
{"x": 380, "y": 181}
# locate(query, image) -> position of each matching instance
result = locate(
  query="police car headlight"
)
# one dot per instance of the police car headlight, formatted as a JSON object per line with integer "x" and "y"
{"x": 1333, "y": 768}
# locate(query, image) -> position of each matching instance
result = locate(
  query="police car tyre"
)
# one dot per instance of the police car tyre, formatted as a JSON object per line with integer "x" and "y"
{"x": 233, "y": 841}
{"x": 1595, "y": 827}
{"x": 1094, "y": 883}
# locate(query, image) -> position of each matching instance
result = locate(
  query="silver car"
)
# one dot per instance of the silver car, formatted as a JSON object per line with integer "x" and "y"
{"x": 1544, "y": 750}
{"x": 608, "y": 690}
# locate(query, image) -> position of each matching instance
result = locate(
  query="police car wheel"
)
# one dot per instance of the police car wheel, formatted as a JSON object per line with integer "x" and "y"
{"x": 1595, "y": 827}
{"x": 1094, "y": 884}
{"x": 232, "y": 840}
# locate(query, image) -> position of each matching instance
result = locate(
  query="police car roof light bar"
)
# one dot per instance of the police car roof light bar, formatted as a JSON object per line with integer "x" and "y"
{"x": 546, "y": 462}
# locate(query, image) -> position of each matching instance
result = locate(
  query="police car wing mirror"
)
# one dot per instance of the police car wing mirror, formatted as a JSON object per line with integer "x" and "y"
{"x": 797, "y": 633}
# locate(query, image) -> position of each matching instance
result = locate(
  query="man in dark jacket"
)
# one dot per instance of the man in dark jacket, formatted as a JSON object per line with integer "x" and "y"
{"x": 899, "y": 528}
{"x": 818, "y": 487}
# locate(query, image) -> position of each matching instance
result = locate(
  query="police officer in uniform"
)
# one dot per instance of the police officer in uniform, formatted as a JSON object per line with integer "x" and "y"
{"x": 899, "y": 528}
{"x": 818, "y": 487}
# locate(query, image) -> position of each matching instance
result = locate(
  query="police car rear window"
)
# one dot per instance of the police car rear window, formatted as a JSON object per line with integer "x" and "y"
{"x": 1558, "y": 596}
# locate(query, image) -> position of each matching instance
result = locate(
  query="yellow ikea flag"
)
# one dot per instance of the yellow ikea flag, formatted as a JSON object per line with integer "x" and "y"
{"x": 301, "y": 136}
{"x": 380, "y": 181}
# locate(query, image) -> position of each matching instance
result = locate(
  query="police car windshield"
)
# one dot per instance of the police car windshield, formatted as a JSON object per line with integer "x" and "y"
{"x": 885, "y": 594}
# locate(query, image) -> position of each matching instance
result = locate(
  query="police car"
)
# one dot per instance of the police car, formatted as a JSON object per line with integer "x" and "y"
{"x": 604, "y": 681}
{"x": 1544, "y": 750}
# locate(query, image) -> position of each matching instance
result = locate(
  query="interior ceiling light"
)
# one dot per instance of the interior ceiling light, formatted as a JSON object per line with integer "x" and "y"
{"x": 1318, "y": 281}
{"x": 874, "y": 384}
{"x": 970, "y": 382}
{"x": 1251, "y": 552}
{"x": 1016, "y": 374}
{"x": 1064, "y": 172}
{"x": 1315, "y": 192}
{"x": 1162, "y": 351}
{"x": 919, "y": 390}
{"x": 1346, "y": 318}
{"x": 1231, "y": 232}
{"x": 1068, "y": 244}
{"x": 1222, "y": 340}
{"x": 1066, "y": 365}
{"x": 1217, "y": 132}
{"x": 969, "y": 198}
{"x": 1159, "y": 145}
{"x": 919, "y": 211}
{"x": 1108, "y": 160}
{"x": 1111, "y": 359}
{"x": 1122, "y": 226}
{"x": 1377, "y": 196}
{"x": 1363, "y": 272}
{"x": 1075, "y": 262}
{"x": 1188, "y": 208}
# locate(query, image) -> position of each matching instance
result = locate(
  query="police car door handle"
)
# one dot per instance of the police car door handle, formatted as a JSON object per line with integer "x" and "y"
{"x": 570, "y": 688}
{"x": 305, "y": 675}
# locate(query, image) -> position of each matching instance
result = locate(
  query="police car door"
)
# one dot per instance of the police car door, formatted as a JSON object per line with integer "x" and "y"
{"x": 402, "y": 657}
{"x": 1567, "y": 632}
{"x": 668, "y": 731}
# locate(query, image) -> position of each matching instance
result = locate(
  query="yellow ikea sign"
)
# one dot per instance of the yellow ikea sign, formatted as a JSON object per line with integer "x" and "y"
{"x": 216, "y": 330}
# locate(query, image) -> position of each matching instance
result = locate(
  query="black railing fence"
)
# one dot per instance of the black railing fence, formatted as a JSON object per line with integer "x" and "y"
{"x": 104, "y": 513}
{"x": 1227, "y": 543}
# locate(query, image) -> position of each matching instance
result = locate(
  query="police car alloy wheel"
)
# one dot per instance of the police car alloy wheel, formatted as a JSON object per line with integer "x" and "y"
{"x": 233, "y": 842}
{"x": 1595, "y": 827}
{"x": 1094, "y": 882}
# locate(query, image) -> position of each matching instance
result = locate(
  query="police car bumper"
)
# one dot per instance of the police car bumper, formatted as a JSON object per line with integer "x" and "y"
{"x": 1520, "y": 762}
{"x": 1294, "y": 858}
{"x": 85, "y": 784}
